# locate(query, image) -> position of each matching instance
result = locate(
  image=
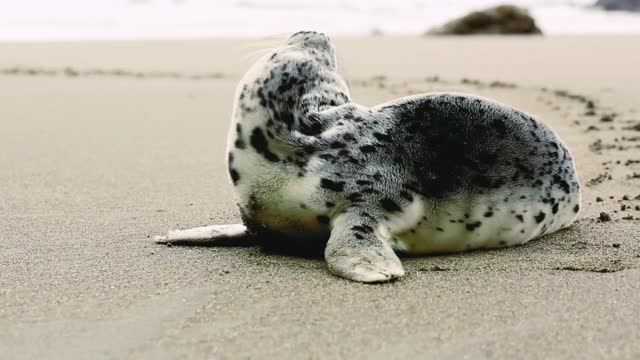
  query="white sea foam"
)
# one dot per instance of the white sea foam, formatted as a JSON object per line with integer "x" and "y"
{"x": 156, "y": 19}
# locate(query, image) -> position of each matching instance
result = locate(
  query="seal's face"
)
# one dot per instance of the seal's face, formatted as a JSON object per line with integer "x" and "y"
{"x": 317, "y": 43}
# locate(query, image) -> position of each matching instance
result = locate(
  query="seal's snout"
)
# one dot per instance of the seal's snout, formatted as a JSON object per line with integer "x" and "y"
{"x": 310, "y": 39}
{"x": 317, "y": 45}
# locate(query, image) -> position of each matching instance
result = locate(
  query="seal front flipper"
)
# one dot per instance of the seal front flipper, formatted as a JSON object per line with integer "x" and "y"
{"x": 212, "y": 235}
{"x": 356, "y": 252}
{"x": 317, "y": 128}
{"x": 315, "y": 122}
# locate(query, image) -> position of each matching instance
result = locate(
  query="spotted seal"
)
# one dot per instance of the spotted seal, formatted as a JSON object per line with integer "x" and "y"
{"x": 430, "y": 173}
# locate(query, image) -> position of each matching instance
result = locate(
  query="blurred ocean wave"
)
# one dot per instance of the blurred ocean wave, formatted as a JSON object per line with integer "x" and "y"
{"x": 164, "y": 19}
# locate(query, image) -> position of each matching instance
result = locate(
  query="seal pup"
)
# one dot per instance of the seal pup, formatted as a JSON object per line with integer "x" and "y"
{"x": 430, "y": 173}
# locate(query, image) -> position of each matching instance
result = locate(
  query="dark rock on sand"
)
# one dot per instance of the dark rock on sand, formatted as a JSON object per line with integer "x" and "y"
{"x": 619, "y": 5}
{"x": 604, "y": 217}
{"x": 504, "y": 19}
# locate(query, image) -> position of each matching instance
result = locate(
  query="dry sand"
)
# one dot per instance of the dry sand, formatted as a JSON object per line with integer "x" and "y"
{"x": 105, "y": 144}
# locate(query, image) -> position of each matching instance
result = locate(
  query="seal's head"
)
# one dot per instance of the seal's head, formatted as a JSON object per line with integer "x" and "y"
{"x": 316, "y": 43}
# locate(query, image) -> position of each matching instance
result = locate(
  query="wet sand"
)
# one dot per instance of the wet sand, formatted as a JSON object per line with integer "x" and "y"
{"x": 104, "y": 145}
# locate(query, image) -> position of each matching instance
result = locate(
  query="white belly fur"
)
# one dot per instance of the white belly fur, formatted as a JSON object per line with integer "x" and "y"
{"x": 290, "y": 203}
{"x": 442, "y": 228}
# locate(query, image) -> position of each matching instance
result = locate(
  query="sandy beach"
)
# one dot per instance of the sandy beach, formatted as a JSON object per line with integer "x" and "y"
{"x": 104, "y": 144}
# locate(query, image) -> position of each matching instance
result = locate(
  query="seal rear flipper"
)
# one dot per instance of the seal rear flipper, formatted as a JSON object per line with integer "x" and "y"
{"x": 211, "y": 235}
{"x": 357, "y": 253}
